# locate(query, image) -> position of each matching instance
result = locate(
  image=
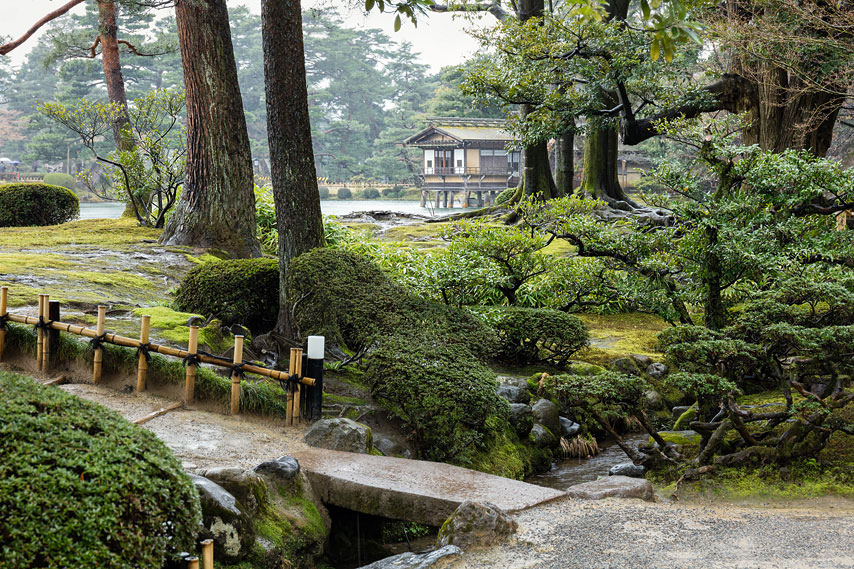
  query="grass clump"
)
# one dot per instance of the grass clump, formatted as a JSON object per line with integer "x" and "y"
{"x": 82, "y": 487}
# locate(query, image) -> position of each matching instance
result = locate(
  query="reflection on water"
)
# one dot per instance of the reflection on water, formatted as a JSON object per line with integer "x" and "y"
{"x": 112, "y": 210}
{"x": 567, "y": 473}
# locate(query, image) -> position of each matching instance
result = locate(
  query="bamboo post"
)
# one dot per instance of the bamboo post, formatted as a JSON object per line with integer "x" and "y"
{"x": 4, "y": 299}
{"x": 235, "y": 375}
{"x": 98, "y": 360}
{"x": 192, "y": 563}
{"x": 190, "y": 383}
{"x": 142, "y": 368}
{"x": 40, "y": 335}
{"x": 207, "y": 554}
{"x": 45, "y": 314}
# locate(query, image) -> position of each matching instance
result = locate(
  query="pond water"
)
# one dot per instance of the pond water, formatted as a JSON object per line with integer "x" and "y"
{"x": 112, "y": 210}
{"x": 566, "y": 473}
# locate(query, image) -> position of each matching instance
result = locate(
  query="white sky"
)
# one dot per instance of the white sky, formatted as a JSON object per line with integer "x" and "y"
{"x": 440, "y": 38}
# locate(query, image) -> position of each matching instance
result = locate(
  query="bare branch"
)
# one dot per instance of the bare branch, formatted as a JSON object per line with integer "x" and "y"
{"x": 6, "y": 48}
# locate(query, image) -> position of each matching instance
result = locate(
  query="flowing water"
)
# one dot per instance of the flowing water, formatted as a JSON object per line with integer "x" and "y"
{"x": 573, "y": 471}
{"x": 113, "y": 210}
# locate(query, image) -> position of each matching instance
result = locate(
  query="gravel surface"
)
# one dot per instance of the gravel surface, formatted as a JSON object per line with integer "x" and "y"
{"x": 626, "y": 534}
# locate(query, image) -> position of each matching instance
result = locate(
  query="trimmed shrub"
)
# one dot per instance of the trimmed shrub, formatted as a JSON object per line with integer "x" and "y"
{"x": 442, "y": 394}
{"x": 531, "y": 335}
{"x": 344, "y": 194}
{"x": 82, "y": 487}
{"x": 324, "y": 192}
{"x": 351, "y": 301}
{"x": 504, "y": 196}
{"x": 60, "y": 179}
{"x": 24, "y": 205}
{"x": 237, "y": 291}
{"x": 371, "y": 194}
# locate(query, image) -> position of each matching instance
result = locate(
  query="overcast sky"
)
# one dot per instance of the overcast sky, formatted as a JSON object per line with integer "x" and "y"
{"x": 439, "y": 38}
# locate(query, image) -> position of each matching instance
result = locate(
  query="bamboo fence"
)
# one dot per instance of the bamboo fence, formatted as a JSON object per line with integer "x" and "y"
{"x": 192, "y": 357}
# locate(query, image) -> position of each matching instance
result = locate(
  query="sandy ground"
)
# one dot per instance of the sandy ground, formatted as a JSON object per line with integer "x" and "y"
{"x": 202, "y": 439}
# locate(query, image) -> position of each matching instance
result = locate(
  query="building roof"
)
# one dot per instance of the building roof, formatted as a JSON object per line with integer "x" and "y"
{"x": 461, "y": 129}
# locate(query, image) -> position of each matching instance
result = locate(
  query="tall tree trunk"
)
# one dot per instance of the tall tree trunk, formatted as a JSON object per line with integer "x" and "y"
{"x": 108, "y": 34}
{"x": 217, "y": 205}
{"x": 599, "y": 178}
{"x": 564, "y": 163}
{"x": 298, "y": 218}
{"x": 714, "y": 310}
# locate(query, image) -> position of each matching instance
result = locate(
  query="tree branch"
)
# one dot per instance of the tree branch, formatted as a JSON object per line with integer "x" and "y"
{"x": 6, "y": 48}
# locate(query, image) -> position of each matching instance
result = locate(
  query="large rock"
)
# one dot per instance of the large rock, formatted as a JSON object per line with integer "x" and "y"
{"x": 340, "y": 434}
{"x": 542, "y": 437}
{"x": 442, "y": 558}
{"x": 627, "y": 366}
{"x": 522, "y": 418}
{"x": 222, "y": 521}
{"x": 657, "y": 370}
{"x": 654, "y": 400}
{"x": 568, "y": 428}
{"x": 642, "y": 360}
{"x": 283, "y": 469}
{"x": 629, "y": 469}
{"x": 548, "y": 414}
{"x": 246, "y": 486}
{"x": 391, "y": 447}
{"x": 613, "y": 487}
{"x": 474, "y": 524}
{"x": 514, "y": 393}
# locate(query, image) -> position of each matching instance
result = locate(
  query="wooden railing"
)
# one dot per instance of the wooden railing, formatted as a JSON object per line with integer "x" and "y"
{"x": 192, "y": 356}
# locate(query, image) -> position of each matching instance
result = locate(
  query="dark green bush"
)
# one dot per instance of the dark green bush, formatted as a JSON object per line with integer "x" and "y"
{"x": 82, "y": 487}
{"x": 442, "y": 394}
{"x": 344, "y": 194}
{"x": 505, "y": 195}
{"x": 531, "y": 335}
{"x": 60, "y": 179}
{"x": 371, "y": 194}
{"x": 24, "y": 205}
{"x": 348, "y": 299}
{"x": 242, "y": 291}
{"x": 324, "y": 192}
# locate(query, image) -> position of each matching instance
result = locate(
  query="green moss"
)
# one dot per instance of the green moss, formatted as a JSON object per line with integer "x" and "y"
{"x": 203, "y": 258}
{"x": 681, "y": 438}
{"x": 101, "y": 233}
{"x": 560, "y": 248}
{"x": 420, "y": 232}
{"x": 685, "y": 418}
{"x": 164, "y": 317}
{"x": 616, "y": 335}
{"x": 115, "y": 279}
{"x": 18, "y": 263}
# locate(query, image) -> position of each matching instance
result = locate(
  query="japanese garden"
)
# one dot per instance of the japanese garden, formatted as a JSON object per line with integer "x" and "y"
{"x": 278, "y": 290}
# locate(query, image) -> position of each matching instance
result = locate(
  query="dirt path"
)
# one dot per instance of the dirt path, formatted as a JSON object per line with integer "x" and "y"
{"x": 202, "y": 439}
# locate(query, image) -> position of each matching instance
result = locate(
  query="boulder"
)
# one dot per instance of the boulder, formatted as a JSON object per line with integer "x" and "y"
{"x": 542, "y": 437}
{"x": 522, "y": 418}
{"x": 521, "y": 382}
{"x": 246, "y": 486}
{"x": 283, "y": 469}
{"x": 476, "y": 524}
{"x": 613, "y": 487}
{"x": 654, "y": 400}
{"x": 629, "y": 469}
{"x": 657, "y": 370}
{"x": 548, "y": 414}
{"x": 514, "y": 393}
{"x": 231, "y": 530}
{"x": 627, "y": 366}
{"x": 340, "y": 434}
{"x": 584, "y": 368}
{"x": 684, "y": 420}
{"x": 568, "y": 428}
{"x": 442, "y": 558}
{"x": 679, "y": 409}
{"x": 642, "y": 360}
{"x": 390, "y": 447}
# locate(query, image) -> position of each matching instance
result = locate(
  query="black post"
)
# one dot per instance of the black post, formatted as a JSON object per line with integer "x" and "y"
{"x": 53, "y": 314}
{"x": 314, "y": 368}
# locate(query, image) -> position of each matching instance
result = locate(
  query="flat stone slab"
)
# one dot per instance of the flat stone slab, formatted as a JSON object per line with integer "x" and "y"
{"x": 613, "y": 487}
{"x": 411, "y": 490}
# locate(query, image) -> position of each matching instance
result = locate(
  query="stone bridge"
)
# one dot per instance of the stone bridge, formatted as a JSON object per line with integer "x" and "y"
{"x": 412, "y": 490}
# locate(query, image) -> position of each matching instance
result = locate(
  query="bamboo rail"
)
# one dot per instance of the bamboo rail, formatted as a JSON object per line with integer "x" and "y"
{"x": 192, "y": 357}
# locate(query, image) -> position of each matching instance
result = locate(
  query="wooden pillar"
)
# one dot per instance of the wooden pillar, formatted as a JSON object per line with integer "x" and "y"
{"x": 142, "y": 367}
{"x": 53, "y": 313}
{"x": 4, "y": 300}
{"x": 98, "y": 359}
{"x": 190, "y": 382}
{"x": 235, "y": 376}
{"x": 445, "y": 199}
{"x": 466, "y": 197}
{"x": 438, "y": 198}
{"x": 207, "y": 554}
{"x": 40, "y": 335}
{"x": 423, "y": 198}
{"x": 45, "y": 336}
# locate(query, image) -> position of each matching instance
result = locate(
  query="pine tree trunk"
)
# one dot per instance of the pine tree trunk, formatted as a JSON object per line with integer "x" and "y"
{"x": 564, "y": 163}
{"x": 298, "y": 217}
{"x": 599, "y": 179}
{"x": 108, "y": 34}
{"x": 217, "y": 205}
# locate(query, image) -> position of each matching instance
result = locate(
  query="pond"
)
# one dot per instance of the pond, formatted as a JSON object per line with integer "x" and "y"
{"x": 113, "y": 210}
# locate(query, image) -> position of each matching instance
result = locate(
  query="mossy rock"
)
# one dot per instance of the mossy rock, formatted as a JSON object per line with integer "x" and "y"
{"x": 681, "y": 438}
{"x": 236, "y": 291}
{"x": 685, "y": 419}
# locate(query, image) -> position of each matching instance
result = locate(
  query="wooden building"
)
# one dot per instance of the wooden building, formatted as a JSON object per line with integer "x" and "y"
{"x": 465, "y": 160}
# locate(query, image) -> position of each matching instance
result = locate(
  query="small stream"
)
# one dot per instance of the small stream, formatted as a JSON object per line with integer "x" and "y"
{"x": 573, "y": 471}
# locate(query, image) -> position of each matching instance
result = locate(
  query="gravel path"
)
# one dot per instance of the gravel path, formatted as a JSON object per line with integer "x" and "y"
{"x": 630, "y": 534}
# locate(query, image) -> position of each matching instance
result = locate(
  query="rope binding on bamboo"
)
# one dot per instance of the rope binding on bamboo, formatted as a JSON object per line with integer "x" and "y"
{"x": 3, "y": 319}
{"x": 143, "y": 350}
{"x": 98, "y": 341}
{"x": 44, "y": 325}
{"x": 192, "y": 360}
{"x": 237, "y": 369}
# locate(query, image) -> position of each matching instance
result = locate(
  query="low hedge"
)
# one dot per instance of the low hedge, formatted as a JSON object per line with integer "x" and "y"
{"x": 82, "y": 487}
{"x": 23, "y": 205}
{"x": 532, "y": 335}
{"x": 60, "y": 179}
{"x": 237, "y": 291}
